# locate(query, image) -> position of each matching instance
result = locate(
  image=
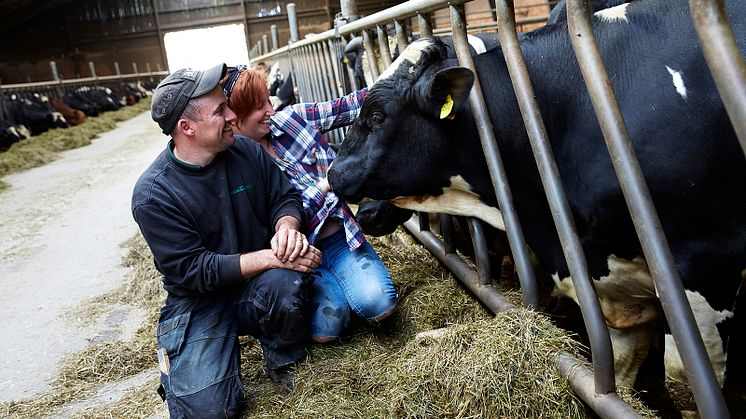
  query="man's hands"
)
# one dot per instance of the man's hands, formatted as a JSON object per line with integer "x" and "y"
{"x": 289, "y": 250}
{"x": 288, "y": 243}
{"x": 291, "y": 247}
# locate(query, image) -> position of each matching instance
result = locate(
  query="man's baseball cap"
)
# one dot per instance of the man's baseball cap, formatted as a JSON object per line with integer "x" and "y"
{"x": 172, "y": 94}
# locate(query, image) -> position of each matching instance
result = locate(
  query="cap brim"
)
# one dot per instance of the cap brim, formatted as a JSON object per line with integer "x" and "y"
{"x": 210, "y": 78}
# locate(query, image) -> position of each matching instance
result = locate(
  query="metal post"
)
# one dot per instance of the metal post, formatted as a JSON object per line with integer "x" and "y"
{"x": 426, "y": 29}
{"x": 245, "y": 20}
{"x": 116, "y": 69}
{"x": 160, "y": 33}
{"x": 370, "y": 55}
{"x": 349, "y": 10}
{"x": 55, "y": 74}
{"x": 724, "y": 60}
{"x": 401, "y": 35}
{"x": 706, "y": 390}
{"x": 529, "y": 287}
{"x": 265, "y": 43}
{"x": 383, "y": 46}
{"x": 134, "y": 67}
{"x": 92, "y": 69}
{"x": 149, "y": 71}
{"x": 481, "y": 255}
{"x": 275, "y": 42}
{"x": 293, "y": 21}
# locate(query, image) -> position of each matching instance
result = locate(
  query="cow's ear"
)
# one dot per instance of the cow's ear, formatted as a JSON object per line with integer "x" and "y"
{"x": 448, "y": 89}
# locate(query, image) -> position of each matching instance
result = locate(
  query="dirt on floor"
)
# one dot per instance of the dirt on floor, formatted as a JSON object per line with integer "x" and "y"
{"x": 62, "y": 226}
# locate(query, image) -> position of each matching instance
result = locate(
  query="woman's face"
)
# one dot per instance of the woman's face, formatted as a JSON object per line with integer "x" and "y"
{"x": 255, "y": 125}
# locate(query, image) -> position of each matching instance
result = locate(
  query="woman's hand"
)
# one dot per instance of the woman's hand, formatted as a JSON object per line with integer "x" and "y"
{"x": 323, "y": 185}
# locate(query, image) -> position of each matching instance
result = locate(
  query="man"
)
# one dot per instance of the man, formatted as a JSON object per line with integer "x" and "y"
{"x": 223, "y": 225}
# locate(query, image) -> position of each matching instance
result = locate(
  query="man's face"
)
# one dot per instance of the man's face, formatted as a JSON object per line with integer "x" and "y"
{"x": 213, "y": 129}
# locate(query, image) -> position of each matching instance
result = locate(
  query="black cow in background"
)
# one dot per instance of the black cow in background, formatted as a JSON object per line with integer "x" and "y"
{"x": 34, "y": 112}
{"x": 415, "y": 144}
{"x": 281, "y": 87}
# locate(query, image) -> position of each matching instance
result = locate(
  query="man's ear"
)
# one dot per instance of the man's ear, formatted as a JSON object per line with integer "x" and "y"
{"x": 448, "y": 89}
{"x": 185, "y": 126}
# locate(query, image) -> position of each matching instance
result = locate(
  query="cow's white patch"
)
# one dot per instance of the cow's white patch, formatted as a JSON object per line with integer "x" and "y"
{"x": 411, "y": 54}
{"x": 628, "y": 302}
{"x": 678, "y": 81}
{"x": 613, "y": 13}
{"x": 627, "y": 293}
{"x": 707, "y": 319}
{"x": 477, "y": 44}
{"x": 457, "y": 199}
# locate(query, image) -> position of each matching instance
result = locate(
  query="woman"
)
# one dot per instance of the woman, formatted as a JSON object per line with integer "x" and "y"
{"x": 351, "y": 277}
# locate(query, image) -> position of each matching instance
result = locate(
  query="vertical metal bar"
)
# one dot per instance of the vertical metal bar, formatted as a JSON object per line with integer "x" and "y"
{"x": 479, "y": 243}
{"x": 245, "y": 21}
{"x": 383, "y": 46}
{"x": 724, "y": 60}
{"x": 160, "y": 33}
{"x": 706, "y": 390}
{"x": 311, "y": 72}
{"x": 55, "y": 74}
{"x": 426, "y": 27}
{"x": 332, "y": 49}
{"x": 265, "y": 43}
{"x": 370, "y": 55}
{"x": 446, "y": 230}
{"x": 424, "y": 220}
{"x": 134, "y": 68}
{"x": 116, "y": 69}
{"x": 323, "y": 72}
{"x": 293, "y": 21}
{"x": 304, "y": 86}
{"x": 529, "y": 287}
{"x": 275, "y": 42}
{"x": 401, "y": 34}
{"x": 598, "y": 333}
{"x": 349, "y": 9}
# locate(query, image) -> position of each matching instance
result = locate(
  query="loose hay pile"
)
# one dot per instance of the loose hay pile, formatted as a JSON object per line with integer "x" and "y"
{"x": 482, "y": 367}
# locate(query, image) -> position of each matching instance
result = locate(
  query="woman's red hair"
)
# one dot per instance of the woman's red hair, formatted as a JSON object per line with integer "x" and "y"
{"x": 248, "y": 93}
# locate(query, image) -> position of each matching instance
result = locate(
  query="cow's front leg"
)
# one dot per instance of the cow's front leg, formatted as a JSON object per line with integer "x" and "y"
{"x": 631, "y": 347}
{"x": 707, "y": 320}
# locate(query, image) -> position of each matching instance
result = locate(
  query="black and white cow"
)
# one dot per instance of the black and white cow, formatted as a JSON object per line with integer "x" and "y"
{"x": 281, "y": 87}
{"x": 415, "y": 144}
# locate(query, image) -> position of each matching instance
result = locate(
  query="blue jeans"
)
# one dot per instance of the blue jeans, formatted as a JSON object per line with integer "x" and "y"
{"x": 348, "y": 281}
{"x": 198, "y": 350}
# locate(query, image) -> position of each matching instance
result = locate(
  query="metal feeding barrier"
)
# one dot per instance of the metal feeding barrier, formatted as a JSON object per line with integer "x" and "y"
{"x": 58, "y": 85}
{"x": 320, "y": 76}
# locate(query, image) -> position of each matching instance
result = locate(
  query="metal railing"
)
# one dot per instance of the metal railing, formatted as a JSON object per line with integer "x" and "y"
{"x": 58, "y": 83}
{"x": 319, "y": 76}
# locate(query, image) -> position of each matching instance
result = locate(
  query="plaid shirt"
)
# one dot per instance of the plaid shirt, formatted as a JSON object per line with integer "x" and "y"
{"x": 305, "y": 156}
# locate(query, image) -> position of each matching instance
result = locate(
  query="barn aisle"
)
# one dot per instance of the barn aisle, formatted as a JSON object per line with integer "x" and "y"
{"x": 62, "y": 225}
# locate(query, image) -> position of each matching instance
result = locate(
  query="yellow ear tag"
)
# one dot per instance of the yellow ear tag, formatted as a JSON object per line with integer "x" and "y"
{"x": 445, "y": 111}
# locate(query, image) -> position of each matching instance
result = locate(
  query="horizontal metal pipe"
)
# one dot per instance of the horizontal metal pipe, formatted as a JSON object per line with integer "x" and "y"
{"x": 581, "y": 380}
{"x": 487, "y": 294}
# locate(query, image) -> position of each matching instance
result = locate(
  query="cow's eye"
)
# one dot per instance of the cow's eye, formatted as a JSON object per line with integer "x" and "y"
{"x": 376, "y": 119}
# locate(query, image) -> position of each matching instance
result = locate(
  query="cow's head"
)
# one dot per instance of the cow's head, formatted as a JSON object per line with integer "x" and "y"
{"x": 404, "y": 140}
